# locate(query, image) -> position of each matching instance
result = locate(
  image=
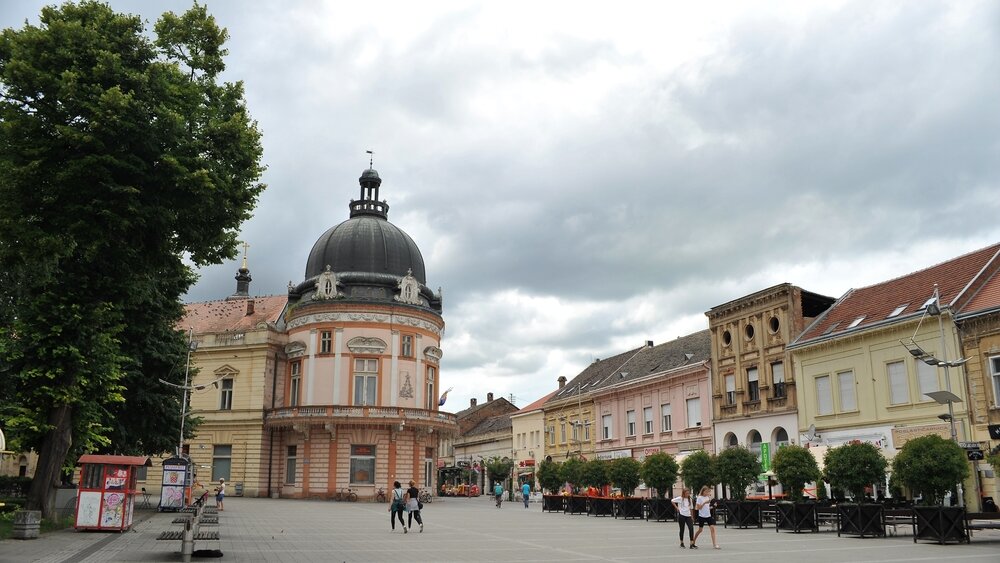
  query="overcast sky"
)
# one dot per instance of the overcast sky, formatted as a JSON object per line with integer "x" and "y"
{"x": 582, "y": 177}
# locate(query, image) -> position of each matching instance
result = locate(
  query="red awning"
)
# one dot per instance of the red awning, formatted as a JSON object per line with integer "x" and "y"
{"x": 117, "y": 459}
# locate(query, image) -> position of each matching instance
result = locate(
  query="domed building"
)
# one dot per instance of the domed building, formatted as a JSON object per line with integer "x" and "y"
{"x": 357, "y": 406}
{"x": 344, "y": 370}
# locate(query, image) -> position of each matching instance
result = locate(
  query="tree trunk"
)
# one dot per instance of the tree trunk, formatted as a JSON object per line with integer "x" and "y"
{"x": 51, "y": 456}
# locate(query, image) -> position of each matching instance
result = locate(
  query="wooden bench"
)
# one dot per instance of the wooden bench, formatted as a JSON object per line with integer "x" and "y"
{"x": 982, "y": 521}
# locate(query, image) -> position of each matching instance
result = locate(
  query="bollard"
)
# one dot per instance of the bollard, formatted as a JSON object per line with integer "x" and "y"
{"x": 187, "y": 543}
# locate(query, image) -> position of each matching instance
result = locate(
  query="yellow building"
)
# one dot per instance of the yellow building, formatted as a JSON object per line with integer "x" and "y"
{"x": 528, "y": 430}
{"x": 859, "y": 377}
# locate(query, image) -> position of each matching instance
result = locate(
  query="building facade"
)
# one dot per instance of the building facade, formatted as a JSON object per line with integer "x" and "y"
{"x": 661, "y": 404}
{"x": 860, "y": 365}
{"x": 528, "y": 430}
{"x": 753, "y": 391}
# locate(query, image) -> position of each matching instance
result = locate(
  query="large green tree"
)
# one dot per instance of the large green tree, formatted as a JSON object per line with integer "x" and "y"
{"x": 795, "y": 466}
{"x": 548, "y": 476}
{"x": 660, "y": 472}
{"x": 624, "y": 474}
{"x": 737, "y": 467}
{"x": 698, "y": 470}
{"x": 852, "y": 467}
{"x": 930, "y": 466}
{"x": 120, "y": 155}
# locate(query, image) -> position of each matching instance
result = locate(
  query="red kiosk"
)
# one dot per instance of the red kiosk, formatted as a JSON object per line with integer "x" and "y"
{"x": 106, "y": 497}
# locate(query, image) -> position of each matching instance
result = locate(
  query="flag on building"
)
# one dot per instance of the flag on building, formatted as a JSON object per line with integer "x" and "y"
{"x": 444, "y": 397}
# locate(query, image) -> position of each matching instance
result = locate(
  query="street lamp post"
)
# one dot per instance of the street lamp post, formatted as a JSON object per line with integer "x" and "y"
{"x": 187, "y": 370}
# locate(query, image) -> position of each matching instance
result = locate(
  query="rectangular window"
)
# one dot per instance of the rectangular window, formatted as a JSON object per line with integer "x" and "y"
{"x": 324, "y": 342}
{"x": 562, "y": 433}
{"x": 576, "y": 430}
{"x": 365, "y": 382}
{"x": 899, "y": 387}
{"x": 606, "y": 426}
{"x": 363, "y": 465}
{"x": 753, "y": 385}
{"x": 995, "y": 369}
{"x": 222, "y": 460}
{"x": 824, "y": 395}
{"x": 552, "y": 435}
{"x": 586, "y": 431}
{"x": 778, "y": 377}
{"x": 294, "y": 384}
{"x": 140, "y": 472}
{"x": 731, "y": 389}
{"x": 694, "y": 412}
{"x": 647, "y": 420}
{"x": 848, "y": 398}
{"x": 665, "y": 418}
{"x": 927, "y": 379}
{"x": 431, "y": 399}
{"x": 630, "y": 423}
{"x": 429, "y": 468}
{"x": 290, "y": 465}
{"x": 407, "y": 350}
{"x": 226, "y": 394}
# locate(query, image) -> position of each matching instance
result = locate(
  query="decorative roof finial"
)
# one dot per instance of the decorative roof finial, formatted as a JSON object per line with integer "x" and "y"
{"x": 371, "y": 159}
{"x": 246, "y": 246}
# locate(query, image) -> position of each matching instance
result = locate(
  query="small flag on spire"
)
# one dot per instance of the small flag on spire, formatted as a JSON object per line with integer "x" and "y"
{"x": 444, "y": 397}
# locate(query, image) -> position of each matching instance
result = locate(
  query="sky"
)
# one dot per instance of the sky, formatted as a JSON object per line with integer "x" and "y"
{"x": 584, "y": 176}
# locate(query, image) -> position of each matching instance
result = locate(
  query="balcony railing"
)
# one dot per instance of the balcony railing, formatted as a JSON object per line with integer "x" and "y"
{"x": 335, "y": 413}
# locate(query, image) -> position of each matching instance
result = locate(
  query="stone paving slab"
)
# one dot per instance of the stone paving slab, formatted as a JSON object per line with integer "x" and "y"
{"x": 458, "y": 529}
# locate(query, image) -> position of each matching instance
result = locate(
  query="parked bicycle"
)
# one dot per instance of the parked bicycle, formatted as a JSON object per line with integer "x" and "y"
{"x": 425, "y": 496}
{"x": 346, "y": 494}
{"x": 380, "y": 495}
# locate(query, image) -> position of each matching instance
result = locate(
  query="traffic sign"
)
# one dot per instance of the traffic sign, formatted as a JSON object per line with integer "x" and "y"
{"x": 975, "y": 455}
{"x": 971, "y": 445}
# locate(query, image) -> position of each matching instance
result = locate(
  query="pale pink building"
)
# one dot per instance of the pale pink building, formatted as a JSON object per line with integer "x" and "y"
{"x": 659, "y": 400}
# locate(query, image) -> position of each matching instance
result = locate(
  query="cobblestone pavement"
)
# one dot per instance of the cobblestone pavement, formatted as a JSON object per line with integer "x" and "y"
{"x": 468, "y": 530}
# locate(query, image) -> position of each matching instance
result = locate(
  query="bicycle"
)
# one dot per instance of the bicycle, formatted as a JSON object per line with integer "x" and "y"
{"x": 349, "y": 496}
{"x": 380, "y": 495}
{"x": 425, "y": 497}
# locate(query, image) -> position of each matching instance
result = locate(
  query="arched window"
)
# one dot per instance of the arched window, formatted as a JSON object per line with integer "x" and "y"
{"x": 22, "y": 469}
{"x": 753, "y": 441}
{"x": 780, "y": 437}
{"x": 731, "y": 441}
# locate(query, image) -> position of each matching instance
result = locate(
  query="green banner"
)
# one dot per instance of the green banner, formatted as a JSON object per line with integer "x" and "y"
{"x": 765, "y": 457}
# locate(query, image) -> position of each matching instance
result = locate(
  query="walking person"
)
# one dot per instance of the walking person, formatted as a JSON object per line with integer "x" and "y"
{"x": 703, "y": 504}
{"x": 396, "y": 508}
{"x": 413, "y": 506}
{"x": 682, "y": 505}
{"x": 526, "y": 492}
{"x": 220, "y": 494}
{"x": 498, "y": 493}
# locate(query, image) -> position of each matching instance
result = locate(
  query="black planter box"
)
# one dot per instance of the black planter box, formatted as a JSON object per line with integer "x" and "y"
{"x": 743, "y": 514}
{"x": 553, "y": 503}
{"x": 576, "y": 504}
{"x": 796, "y": 516}
{"x": 865, "y": 520}
{"x": 600, "y": 506}
{"x": 660, "y": 509}
{"x": 939, "y": 523}
{"x": 629, "y": 508}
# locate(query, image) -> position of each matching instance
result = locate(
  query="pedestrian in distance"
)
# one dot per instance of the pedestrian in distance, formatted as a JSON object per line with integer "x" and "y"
{"x": 498, "y": 493}
{"x": 413, "y": 505}
{"x": 703, "y": 504}
{"x": 682, "y": 505}
{"x": 526, "y": 492}
{"x": 220, "y": 494}
{"x": 396, "y": 508}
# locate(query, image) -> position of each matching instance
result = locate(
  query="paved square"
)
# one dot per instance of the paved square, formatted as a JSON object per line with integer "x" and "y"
{"x": 469, "y": 530}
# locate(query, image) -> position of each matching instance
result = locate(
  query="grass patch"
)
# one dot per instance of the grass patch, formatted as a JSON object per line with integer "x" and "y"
{"x": 48, "y": 525}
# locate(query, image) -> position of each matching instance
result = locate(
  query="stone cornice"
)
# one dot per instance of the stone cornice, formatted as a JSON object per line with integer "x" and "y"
{"x": 364, "y": 317}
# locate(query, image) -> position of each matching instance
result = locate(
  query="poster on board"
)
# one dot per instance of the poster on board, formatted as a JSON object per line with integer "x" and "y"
{"x": 89, "y": 509}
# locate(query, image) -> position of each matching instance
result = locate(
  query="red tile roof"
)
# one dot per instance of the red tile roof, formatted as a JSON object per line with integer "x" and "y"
{"x": 222, "y": 315}
{"x": 986, "y": 297}
{"x": 874, "y": 304}
{"x": 537, "y": 405}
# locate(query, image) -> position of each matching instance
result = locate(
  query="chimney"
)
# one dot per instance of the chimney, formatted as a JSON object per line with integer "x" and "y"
{"x": 249, "y": 307}
{"x": 489, "y": 397}
{"x": 649, "y": 344}
{"x": 562, "y": 381}
{"x": 472, "y": 402}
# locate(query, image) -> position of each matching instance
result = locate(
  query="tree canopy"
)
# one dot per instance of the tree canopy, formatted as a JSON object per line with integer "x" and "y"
{"x": 120, "y": 156}
{"x": 852, "y": 467}
{"x": 660, "y": 472}
{"x": 594, "y": 473}
{"x": 930, "y": 466}
{"x": 624, "y": 474}
{"x": 698, "y": 470}
{"x": 737, "y": 468}
{"x": 795, "y": 466}
{"x": 571, "y": 471}
{"x": 548, "y": 476}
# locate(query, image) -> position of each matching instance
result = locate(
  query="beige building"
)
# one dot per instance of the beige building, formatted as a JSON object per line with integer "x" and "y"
{"x": 528, "y": 430}
{"x": 753, "y": 388}
{"x": 858, "y": 374}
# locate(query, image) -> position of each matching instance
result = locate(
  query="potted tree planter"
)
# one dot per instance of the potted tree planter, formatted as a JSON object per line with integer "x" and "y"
{"x": 624, "y": 474}
{"x": 930, "y": 466}
{"x": 852, "y": 467}
{"x": 659, "y": 471}
{"x": 795, "y": 466}
{"x": 549, "y": 479}
{"x": 601, "y": 506}
{"x": 737, "y": 467}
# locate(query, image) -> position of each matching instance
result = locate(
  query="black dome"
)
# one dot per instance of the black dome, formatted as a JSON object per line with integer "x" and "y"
{"x": 366, "y": 243}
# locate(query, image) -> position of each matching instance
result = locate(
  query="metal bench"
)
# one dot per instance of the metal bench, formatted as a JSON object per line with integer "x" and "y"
{"x": 191, "y": 532}
{"x": 174, "y": 535}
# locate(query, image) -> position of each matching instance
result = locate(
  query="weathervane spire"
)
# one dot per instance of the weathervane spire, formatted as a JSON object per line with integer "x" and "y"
{"x": 371, "y": 159}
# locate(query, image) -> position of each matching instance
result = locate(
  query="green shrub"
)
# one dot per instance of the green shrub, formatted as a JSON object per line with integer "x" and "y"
{"x": 852, "y": 467}
{"x": 698, "y": 470}
{"x": 624, "y": 473}
{"x": 795, "y": 466}
{"x": 930, "y": 466}
{"x": 660, "y": 472}
{"x": 737, "y": 467}
{"x": 548, "y": 476}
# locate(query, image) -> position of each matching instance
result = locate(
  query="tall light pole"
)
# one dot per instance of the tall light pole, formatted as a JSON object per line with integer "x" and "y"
{"x": 191, "y": 346}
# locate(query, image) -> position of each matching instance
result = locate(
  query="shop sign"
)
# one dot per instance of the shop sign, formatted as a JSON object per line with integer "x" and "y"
{"x": 440, "y": 463}
{"x": 765, "y": 456}
{"x": 614, "y": 454}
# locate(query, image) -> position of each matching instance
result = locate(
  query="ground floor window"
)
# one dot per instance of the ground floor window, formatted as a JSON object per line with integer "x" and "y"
{"x": 362, "y": 465}
{"x": 222, "y": 461}
{"x": 429, "y": 468}
{"x": 290, "y": 461}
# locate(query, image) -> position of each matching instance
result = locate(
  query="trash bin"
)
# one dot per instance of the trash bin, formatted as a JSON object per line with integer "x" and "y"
{"x": 238, "y": 489}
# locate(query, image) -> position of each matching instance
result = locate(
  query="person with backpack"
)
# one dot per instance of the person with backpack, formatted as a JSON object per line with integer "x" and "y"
{"x": 413, "y": 505}
{"x": 396, "y": 508}
{"x": 498, "y": 493}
